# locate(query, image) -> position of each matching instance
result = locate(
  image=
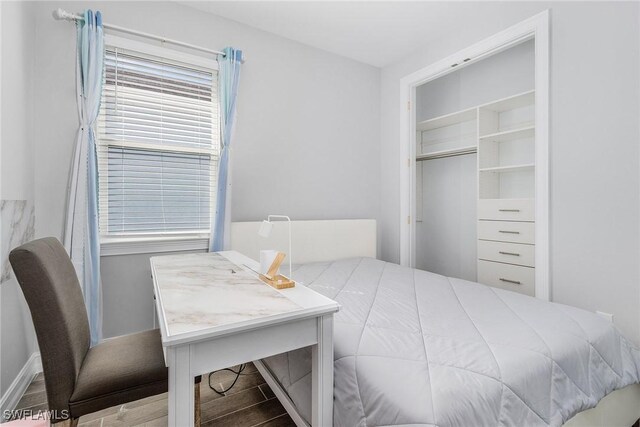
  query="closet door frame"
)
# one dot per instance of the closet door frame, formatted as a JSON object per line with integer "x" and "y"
{"x": 537, "y": 28}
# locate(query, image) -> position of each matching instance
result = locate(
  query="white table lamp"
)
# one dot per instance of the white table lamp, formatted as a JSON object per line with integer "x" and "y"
{"x": 265, "y": 231}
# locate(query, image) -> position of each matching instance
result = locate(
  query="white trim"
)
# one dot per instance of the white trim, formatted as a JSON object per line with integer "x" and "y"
{"x": 542, "y": 238}
{"x": 280, "y": 393}
{"x": 113, "y": 246}
{"x": 16, "y": 390}
{"x": 536, "y": 27}
{"x": 160, "y": 50}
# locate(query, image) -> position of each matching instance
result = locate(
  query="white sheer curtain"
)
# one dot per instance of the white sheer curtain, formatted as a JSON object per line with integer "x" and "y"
{"x": 81, "y": 236}
{"x": 229, "y": 77}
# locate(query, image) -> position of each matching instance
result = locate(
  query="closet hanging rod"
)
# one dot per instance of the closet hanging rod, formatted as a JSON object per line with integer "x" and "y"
{"x": 61, "y": 14}
{"x": 445, "y": 154}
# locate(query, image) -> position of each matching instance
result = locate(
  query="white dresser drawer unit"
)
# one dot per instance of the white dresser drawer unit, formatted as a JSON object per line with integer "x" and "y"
{"x": 506, "y": 276}
{"x": 506, "y": 209}
{"x": 507, "y": 231}
{"x": 511, "y": 253}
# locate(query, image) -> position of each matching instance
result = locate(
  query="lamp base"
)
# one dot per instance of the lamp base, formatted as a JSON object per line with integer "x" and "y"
{"x": 279, "y": 281}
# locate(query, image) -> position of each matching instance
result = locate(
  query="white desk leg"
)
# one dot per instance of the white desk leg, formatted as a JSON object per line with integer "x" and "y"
{"x": 322, "y": 375}
{"x": 181, "y": 398}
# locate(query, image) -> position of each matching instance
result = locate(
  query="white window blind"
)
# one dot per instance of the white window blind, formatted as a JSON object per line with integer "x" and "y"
{"x": 158, "y": 145}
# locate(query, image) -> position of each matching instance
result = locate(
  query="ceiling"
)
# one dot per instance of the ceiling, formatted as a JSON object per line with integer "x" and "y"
{"x": 373, "y": 32}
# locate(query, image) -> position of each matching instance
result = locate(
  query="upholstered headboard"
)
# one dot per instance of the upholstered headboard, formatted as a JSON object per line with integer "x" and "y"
{"x": 312, "y": 241}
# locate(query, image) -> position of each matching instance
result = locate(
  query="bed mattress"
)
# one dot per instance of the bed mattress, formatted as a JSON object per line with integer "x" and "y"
{"x": 416, "y": 348}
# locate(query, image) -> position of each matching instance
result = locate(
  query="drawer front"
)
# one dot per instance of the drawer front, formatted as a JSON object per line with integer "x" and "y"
{"x": 507, "y": 209}
{"x": 511, "y": 253}
{"x": 507, "y": 231}
{"x": 506, "y": 276}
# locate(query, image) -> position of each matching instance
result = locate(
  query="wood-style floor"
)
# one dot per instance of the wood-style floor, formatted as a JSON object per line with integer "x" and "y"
{"x": 249, "y": 403}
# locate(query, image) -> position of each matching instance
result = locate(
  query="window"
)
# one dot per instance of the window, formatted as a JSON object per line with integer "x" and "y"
{"x": 158, "y": 144}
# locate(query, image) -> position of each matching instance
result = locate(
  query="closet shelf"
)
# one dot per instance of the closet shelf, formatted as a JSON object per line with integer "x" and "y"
{"x": 447, "y": 153}
{"x": 511, "y": 102}
{"x": 448, "y": 120}
{"x": 510, "y": 135}
{"x": 469, "y": 136}
{"x": 514, "y": 168}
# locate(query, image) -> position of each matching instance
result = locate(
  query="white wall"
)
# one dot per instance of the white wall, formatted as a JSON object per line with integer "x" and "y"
{"x": 594, "y": 150}
{"x": 446, "y": 232}
{"x": 504, "y": 74}
{"x": 307, "y": 136}
{"x": 17, "y": 339}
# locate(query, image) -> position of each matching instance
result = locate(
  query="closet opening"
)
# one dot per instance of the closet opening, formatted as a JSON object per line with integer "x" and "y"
{"x": 476, "y": 192}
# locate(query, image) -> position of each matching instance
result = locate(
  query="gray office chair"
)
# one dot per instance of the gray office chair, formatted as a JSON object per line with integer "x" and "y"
{"x": 80, "y": 379}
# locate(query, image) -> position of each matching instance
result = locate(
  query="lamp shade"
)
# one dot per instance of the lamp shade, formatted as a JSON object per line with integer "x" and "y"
{"x": 265, "y": 229}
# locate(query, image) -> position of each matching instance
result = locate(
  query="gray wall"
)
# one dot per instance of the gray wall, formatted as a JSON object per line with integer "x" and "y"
{"x": 594, "y": 150}
{"x": 17, "y": 339}
{"x": 127, "y": 293}
{"x": 329, "y": 129}
{"x": 319, "y": 149}
{"x": 314, "y": 155}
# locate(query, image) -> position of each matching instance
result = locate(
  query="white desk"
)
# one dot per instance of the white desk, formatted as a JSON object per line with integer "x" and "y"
{"x": 215, "y": 313}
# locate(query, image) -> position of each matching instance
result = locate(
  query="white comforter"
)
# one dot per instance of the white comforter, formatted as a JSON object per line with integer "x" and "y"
{"x": 416, "y": 348}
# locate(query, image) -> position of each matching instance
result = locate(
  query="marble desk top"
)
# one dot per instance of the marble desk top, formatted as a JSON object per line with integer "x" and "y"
{"x": 206, "y": 291}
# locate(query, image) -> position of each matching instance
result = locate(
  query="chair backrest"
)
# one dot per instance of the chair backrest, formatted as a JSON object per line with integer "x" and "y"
{"x": 50, "y": 286}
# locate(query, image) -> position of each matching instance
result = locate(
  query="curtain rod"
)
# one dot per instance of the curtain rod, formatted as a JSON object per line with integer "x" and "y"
{"x": 61, "y": 14}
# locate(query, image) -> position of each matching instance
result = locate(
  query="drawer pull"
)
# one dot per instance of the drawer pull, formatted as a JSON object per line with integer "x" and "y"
{"x": 508, "y": 210}
{"x": 508, "y": 253}
{"x": 515, "y": 282}
{"x": 508, "y": 232}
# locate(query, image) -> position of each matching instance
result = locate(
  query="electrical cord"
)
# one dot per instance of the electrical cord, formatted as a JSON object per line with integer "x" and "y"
{"x": 238, "y": 373}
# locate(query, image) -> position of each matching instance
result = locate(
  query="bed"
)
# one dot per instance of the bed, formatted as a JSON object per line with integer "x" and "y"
{"x": 416, "y": 348}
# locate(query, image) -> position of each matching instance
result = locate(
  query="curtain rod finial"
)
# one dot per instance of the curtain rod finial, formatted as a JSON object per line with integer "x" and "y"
{"x": 58, "y": 14}
{"x": 61, "y": 14}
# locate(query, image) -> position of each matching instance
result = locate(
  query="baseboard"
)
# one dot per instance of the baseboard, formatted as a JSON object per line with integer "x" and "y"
{"x": 19, "y": 385}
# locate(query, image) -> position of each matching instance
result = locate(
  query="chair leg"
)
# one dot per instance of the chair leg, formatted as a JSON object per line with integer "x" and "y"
{"x": 196, "y": 398}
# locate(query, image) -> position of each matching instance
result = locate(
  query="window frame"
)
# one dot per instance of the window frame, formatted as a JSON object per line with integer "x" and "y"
{"x": 140, "y": 243}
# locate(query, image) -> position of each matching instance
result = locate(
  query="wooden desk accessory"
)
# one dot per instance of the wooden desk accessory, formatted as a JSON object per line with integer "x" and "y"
{"x": 278, "y": 281}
